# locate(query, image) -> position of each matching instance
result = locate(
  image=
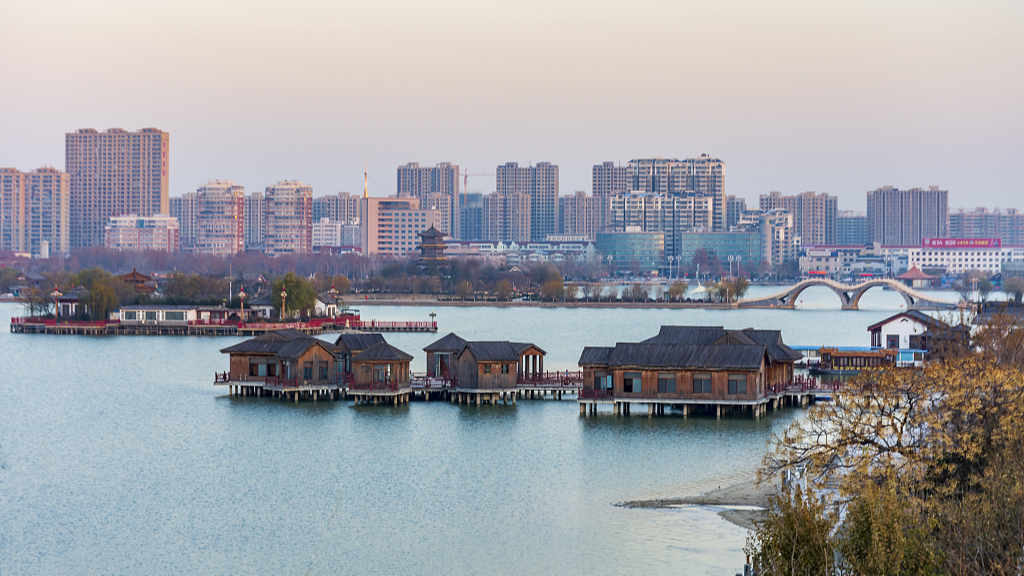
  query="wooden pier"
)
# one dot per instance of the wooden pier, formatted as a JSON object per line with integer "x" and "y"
{"x": 801, "y": 391}
{"x": 312, "y": 327}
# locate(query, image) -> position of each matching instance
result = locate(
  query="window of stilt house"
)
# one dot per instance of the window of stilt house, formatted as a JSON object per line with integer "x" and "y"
{"x": 737, "y": 383}
{"x": 666, "y": 383}
{"x": 702, "y": 383}
{"x": 631, "y": 382}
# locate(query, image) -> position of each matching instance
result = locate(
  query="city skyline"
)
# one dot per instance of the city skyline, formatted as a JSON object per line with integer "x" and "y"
{"x": 795, "y": 96}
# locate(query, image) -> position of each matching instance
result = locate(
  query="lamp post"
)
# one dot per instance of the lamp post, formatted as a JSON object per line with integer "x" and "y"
{"x": 241, "y": 310}
{"x": 670, "y": 259}
{"x": 731, "y": 258}
{"x": 284, "y": 297}
{"x": 432, "y": 316}
{"x": 609, "y": 265}
{"x": 56, "y": 294}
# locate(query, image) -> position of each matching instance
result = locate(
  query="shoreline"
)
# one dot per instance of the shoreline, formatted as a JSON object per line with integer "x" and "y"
{"x": 747, "y": 494}
{"x": 424, "y": 302}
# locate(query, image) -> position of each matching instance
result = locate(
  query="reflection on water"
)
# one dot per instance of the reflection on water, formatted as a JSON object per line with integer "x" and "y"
{"x": 117, "y": 455}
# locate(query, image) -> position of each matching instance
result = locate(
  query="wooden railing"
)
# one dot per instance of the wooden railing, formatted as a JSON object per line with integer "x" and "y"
{"x": 53, "y": 322}
{"x": 596, "y": 395}
{"x": 392, "y": 386}
{"x": 568, "y": 379}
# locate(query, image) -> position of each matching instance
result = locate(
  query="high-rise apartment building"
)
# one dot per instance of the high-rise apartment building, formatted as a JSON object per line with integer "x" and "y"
{"x": 131, "y": 233}
{"x": 779, "y": 243}
{"x": 34, "y": 209}
{"x": 702, "y": 177}
{"x": 906, "y": 217}
{"x": 343, "y": 207}
{"x": 578, "y": 215}
{"x": 814, "y": 215}
{"x": 734, "y": 209}
{"x": 255, "y": 221}
{"x": 185, "y": 209}
{"x": 114, "y": 173}
{"x": 472, "y": 220}
{"x": 540, "y": 185}
{"x": 391, "y": 226}
{"x": 670, "y": 215}
{"x": 220, "y": 222}
{"x": 852, "y": 228}
{"x": 507, "y": 217}
{"x": 330, "y": 234}
{"x": 436, "y": 186}
{"x": 607, "y": 180}
{"x": 288, "y": 218}
{"x": 1006, "y": 225}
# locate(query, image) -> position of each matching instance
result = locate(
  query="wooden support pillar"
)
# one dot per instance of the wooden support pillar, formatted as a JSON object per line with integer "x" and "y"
{"x": 583, "y": 408}
{"x": 650, "y": 410}
{"x": 718, "y": 410}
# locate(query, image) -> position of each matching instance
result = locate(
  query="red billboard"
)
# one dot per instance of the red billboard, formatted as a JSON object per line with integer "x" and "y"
{"x": 962, "y": 243}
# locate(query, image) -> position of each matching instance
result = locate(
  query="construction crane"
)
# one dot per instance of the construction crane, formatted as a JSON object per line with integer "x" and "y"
{"x": 465, "y": 185}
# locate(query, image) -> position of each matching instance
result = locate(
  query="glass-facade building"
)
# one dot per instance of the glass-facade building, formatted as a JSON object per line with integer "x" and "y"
{"x": 632, "y": 252}
{"x": 745, "y": 246}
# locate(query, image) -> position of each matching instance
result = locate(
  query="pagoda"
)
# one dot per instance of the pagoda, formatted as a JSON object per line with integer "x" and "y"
{"x": 432, "y": 247}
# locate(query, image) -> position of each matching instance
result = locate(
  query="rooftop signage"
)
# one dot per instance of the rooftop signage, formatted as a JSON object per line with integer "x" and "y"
{"x": 961, "y": 243}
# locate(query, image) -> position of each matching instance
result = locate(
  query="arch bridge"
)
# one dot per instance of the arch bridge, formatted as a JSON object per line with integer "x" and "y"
{"x": 849, "y": 295}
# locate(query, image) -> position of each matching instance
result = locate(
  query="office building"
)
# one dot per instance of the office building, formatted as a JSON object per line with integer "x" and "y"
{"x": 814, "y": 215}
{"x": 436, "y": 186}
{"x": 112, "y": 173}
{"x": 288, "y": 218}
{"x": 220, "y": 219}
{"x": 1007, "y": 225}
{"x": 391, "y": 226}
{"x": 34, "y": 211}
{"x": 131, "y": 233}
{"x": 540, "y": 185}
{"x": 631, "y": 251}
{"x": 743, "y": 246}
{"x": 851, "y": 229}
{"x": 906, "y": 217}
{"x": 254, "y": 221}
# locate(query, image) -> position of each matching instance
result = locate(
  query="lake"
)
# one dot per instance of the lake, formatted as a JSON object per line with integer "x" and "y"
{"x": 118, "y": 455}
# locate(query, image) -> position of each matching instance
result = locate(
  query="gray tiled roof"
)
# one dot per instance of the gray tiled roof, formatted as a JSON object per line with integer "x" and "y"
{"x": 288, "y": 343}
{"x": 449, "y": 343}
{"x": 771, "y": 340}
{"x": 679, "y": 356}
{"x": 381, "y": 351}
{"x": 492, "y": 351}
{"x": 595, "y": 355}
{"x": 355, "y": 343}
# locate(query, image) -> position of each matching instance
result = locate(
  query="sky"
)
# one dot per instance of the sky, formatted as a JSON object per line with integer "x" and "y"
{"x": 794, "y": 96}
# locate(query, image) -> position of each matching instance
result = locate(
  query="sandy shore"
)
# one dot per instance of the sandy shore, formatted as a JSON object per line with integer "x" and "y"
{"x": 743, "y": 494}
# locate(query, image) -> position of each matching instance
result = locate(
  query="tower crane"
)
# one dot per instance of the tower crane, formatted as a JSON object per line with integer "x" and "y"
{"x": 465, "y": 185}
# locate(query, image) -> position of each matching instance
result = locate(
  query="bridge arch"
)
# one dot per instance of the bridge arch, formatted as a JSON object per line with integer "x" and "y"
{"x": 849, "y": 294}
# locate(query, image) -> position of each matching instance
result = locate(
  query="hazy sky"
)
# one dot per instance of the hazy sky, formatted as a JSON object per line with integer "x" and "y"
{"x": 837, "y": 97}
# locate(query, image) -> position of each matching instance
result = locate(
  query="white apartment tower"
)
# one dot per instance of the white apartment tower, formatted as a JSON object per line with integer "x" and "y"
{"x": 288, "y": 217}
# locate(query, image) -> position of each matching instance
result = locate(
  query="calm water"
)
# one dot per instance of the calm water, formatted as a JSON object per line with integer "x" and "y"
{"x": 117, "y": 455}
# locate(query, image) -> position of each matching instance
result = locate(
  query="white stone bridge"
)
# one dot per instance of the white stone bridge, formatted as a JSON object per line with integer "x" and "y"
{"x": 849, "y": 295}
